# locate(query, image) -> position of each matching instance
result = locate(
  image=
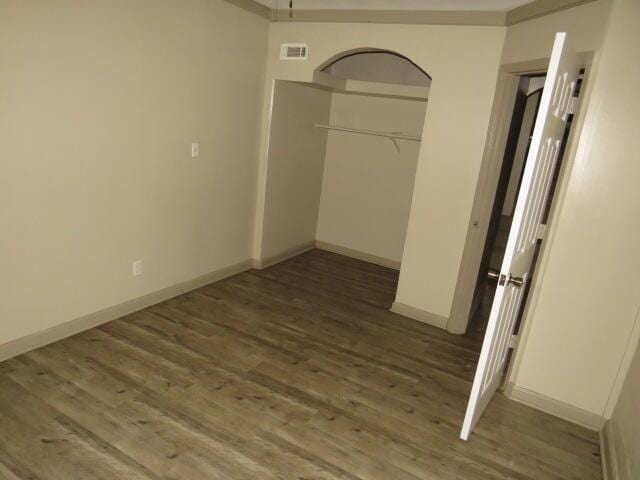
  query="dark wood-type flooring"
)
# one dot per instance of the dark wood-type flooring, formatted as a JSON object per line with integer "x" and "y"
{"x": 298, "y": 371}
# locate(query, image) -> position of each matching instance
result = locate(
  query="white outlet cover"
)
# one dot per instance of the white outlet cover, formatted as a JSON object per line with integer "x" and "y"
{"x": 195, "y": 150}
{"x": 137, "y": 268}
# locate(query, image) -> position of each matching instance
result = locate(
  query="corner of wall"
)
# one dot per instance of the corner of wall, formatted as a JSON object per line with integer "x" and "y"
{"x": 262, "y": 167}
{"x": 614, "y": 453}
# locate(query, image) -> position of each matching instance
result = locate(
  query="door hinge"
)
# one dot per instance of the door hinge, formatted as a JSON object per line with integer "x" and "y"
{"x": 513, "y": 340}
{"x": 573, "y": 105}
{"x": 542, "y": 230}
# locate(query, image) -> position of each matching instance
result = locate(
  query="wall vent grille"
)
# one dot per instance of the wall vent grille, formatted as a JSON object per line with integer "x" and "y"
{"x": 294, "y": 51}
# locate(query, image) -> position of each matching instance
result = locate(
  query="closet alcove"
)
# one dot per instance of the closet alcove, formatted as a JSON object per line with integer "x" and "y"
{"x": 342, "y": 158}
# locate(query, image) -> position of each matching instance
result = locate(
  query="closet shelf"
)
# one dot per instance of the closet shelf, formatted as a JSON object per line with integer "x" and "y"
{"x": 392, "y": 135}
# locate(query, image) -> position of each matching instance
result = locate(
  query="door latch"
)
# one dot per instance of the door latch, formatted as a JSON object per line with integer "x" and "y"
{"x": 496, "y": 275}
{"x": 502, "y": 279}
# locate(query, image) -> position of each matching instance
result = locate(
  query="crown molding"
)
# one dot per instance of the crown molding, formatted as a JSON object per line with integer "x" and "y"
{"x": 536, "y": 9}
{"x": 540, "y": 8}
{"x": 253, "y": 7}
{"x": 406, "y": 17}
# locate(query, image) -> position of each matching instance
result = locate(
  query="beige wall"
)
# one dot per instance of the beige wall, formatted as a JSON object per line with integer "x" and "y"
{"x": 296, "y": 162}
{"x": 533, "y": 39}
{"x": 625, "y": 424}
{"x": 367, "y": 184}
{"x": 463, "y": 62}
{"x": 99, "y": 102}
{"x": 586, "y": 296}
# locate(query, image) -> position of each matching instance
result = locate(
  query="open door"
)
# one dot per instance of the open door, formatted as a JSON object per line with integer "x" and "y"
{"x": 559, "y": 86}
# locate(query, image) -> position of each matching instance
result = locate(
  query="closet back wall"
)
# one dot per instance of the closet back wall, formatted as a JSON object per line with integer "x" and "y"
{"x": 367, "y": 184}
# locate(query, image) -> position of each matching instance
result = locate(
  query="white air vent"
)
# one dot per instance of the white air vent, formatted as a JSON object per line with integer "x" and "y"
{"x": 294, "y": 51}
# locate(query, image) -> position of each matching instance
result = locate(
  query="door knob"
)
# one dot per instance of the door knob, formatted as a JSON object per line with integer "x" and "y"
{"x": 495, "y": 275}
{"x": 516, "y": 281}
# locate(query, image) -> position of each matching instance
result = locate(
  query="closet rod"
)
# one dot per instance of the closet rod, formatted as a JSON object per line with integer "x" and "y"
{"x": 376, "y": 133}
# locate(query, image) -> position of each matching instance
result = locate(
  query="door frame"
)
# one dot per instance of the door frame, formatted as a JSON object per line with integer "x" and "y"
{"x": 497, "y": 135}
{"x": 493, "y": 156}
{"x": 587, "y": 62}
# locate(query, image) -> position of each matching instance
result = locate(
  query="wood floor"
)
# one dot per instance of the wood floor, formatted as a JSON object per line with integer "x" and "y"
{"x": 297, "y": 372}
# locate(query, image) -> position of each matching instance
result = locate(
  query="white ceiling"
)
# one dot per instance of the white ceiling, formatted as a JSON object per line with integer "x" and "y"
{"x": 468, "y": 5}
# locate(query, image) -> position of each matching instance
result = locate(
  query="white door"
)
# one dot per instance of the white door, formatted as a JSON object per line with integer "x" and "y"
{"x": 547, "y": 136}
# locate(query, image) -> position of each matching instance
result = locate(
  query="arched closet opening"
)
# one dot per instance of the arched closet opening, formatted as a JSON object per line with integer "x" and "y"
{"x": 342, "y": 156}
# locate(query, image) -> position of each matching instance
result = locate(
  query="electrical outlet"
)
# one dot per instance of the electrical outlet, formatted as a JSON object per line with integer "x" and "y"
{"x": 195, "y": 150}
{"x": 137, "y": 268}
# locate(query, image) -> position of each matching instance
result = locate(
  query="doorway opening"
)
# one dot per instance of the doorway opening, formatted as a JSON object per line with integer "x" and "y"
{"x": 523, "y": 121}
{"x": 541, "y": 170}
{"x": 342, "y": 157}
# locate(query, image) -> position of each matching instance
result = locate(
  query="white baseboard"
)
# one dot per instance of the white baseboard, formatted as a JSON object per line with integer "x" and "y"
{"x": 72, "y": 327}
{"x": 357, "y": 254}
{"x": 606, "y": 455}
{"x": 419, "y": 314}
{"x": 616, "y": 464}
{"x": 281, "y": 257}
{"x": 555, "y": 407}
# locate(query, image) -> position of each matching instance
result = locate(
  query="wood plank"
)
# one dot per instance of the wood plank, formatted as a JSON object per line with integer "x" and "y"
{"x": 298, "y": 371}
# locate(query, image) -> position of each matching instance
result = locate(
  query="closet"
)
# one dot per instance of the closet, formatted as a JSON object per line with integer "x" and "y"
{"x": 342, "y": 158}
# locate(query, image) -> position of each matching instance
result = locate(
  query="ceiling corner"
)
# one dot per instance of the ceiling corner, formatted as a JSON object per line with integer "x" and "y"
{"x": 540, "y": 8}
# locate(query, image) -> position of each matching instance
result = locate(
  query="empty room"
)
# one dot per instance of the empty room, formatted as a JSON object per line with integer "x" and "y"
{"x": 319, "y": 239}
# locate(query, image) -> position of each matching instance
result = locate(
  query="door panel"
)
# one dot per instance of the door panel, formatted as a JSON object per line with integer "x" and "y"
{"x": 560, "y": 84}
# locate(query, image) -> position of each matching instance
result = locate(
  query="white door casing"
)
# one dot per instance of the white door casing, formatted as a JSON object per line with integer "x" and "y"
{"x": 548, "y": 132}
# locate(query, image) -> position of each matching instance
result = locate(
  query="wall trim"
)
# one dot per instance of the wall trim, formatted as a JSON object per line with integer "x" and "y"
{"x": 616, "y": 463}
{"x": 420, "y": 17}
{"x": 540, "y": 8}
{"x": 261, "y": 263}
{"x": 609, "y": 470}
{"x": 58, "y": 332}
{"x": 358, "y": 254}
{"x": 536, "y": 9}
{"x": 419, "y": 314}
{"x": 253, "y": 7}
{"x": 554, "y": 407}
